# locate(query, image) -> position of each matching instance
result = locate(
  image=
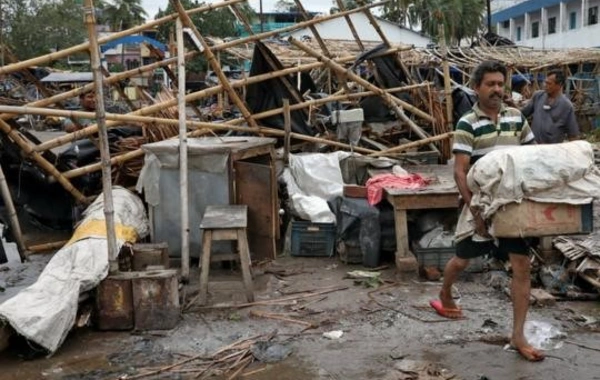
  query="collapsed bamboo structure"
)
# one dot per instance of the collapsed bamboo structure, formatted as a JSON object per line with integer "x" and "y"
{"x": 423, "y": 122}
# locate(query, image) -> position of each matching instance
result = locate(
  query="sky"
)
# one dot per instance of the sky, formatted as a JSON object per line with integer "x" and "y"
{"x": 152, "y": 6}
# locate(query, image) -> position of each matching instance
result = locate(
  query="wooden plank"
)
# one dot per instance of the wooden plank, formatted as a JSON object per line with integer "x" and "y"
{"x": 424, "y": 201}
{"x": 257, "y": 188}
{"x": 225, "y": 216}
{"x": 245, "y": 263}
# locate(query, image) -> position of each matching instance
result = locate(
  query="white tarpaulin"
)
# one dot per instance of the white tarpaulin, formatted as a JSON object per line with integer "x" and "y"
{"x": 45, "y": 311}
{"x": 312, "y": 179}
{"x": 554, "y": 173}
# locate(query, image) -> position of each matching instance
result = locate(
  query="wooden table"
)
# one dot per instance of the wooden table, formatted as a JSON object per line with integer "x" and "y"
{"x": 440, "y": 193}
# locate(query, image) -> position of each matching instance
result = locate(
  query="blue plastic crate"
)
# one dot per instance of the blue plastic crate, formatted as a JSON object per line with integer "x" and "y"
{"x": 313, "y": 239}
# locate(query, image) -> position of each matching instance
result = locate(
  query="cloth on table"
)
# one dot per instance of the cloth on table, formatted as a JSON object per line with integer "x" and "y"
{"x": 376, "y": 184}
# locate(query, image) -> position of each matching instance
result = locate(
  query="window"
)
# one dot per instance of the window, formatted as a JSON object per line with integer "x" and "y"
{"x": 572, "y": 20}
{"x": 552, "y": 25}
{"x": 593, "y": 16}
{"x": 535, "y": 29}
{"x": 506, "y": 24}
{"x": 518, "y": 33}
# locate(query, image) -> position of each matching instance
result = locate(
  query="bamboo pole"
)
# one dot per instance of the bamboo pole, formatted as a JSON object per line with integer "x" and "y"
{"x": 40, "y": 160}
{"x": 384, "y": 39}
{"x": 266, "y": 54}
{"x": 287, "y": 126}
{"x": 38, "y": 248}
{"x": 448, "y": 93}
{"x": 111, "y": 236}
{"x": 90, "y": 130}
{"x": 331, "y": 98}
{"x": 413, "y": 144}
{"x": 86, "y": 45}
{"x": 158, "y": 54}
{"x": 183, "y": 157}
{"x": 12, "y": 216}
{"x": 392, "y": 101}
{"x": 32, "y": 78}
{"x": 315, "y": 32}
{"x": 90, "y": 86}
{"x": 120, "y": 90}
{"x": 144, "y": 119}
{"x": 340, "y": 5}
{"x": 300, "y": 25}
{"x": 185, "y": 19}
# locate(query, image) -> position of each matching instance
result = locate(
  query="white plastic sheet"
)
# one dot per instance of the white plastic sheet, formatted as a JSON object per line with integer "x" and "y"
{"x": 312, "y": 179}
{"x": 45, "y": 311}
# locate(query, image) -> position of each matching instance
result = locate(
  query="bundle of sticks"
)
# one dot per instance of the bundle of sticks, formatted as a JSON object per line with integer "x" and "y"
{"x": 230, "y": 362}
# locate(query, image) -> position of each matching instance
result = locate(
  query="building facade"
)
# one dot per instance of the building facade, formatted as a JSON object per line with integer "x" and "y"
{"x": 549, "y": 24}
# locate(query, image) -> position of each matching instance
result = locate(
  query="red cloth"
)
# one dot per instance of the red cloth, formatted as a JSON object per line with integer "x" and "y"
{"x": 375, "y": 185}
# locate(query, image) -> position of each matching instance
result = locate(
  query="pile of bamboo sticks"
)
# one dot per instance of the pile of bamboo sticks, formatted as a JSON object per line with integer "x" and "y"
{"x": 229, "y": 362}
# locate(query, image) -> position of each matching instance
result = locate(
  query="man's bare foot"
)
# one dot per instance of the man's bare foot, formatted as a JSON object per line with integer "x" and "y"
{"x": 528, "y": 352}
{"x": 446, "y": 307}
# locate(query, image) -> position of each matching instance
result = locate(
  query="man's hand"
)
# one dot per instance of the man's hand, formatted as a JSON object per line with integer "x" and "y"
{"x": 480, "y": 225}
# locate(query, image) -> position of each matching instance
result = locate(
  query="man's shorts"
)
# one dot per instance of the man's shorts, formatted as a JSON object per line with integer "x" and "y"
{"x": 468, "y": 249}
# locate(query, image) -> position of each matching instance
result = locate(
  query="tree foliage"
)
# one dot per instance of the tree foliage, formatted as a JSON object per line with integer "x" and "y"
{"x": 217, "y": 23}
{"x": 348, "y": 4}
{"x": 32, "y": 27}
{"x": 285, "y": 6}
{"x": 459, "y": 19}
{"x": 123, "y": 14}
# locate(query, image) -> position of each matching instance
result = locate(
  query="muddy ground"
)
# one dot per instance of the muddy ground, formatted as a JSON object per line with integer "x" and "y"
{"x": 384, "y": 330}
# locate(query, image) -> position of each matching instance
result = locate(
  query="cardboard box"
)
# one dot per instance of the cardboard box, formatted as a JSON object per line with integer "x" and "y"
{"x": 530, "y": 219}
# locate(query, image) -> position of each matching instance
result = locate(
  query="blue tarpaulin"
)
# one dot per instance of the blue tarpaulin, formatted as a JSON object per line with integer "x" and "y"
{"x": 133, "y": 40}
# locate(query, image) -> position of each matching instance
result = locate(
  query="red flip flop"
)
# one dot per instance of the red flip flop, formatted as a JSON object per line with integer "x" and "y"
{"x": 449, "y": 313}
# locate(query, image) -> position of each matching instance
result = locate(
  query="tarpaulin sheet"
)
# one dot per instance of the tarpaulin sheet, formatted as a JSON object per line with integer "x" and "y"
{"x": 44, "y": 312}
{"x": 269, "y": 94}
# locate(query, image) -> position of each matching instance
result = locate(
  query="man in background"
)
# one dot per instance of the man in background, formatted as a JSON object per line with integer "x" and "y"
{"x": 87, "y": 101}
{"x": 553, "y": 116}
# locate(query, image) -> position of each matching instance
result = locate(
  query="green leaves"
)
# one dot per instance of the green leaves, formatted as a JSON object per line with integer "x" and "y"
{"x": 459, "y": 18}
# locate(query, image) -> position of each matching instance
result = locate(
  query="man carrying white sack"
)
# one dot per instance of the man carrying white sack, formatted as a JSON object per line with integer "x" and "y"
{"x": 489, "y": 126}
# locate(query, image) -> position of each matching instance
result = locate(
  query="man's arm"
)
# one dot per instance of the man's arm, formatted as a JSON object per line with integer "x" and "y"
{"x": 572, "y": 125}
{"x": 462, "y": 163}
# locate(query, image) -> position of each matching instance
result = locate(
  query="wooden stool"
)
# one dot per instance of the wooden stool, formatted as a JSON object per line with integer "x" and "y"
{"x": 225, "y": 222}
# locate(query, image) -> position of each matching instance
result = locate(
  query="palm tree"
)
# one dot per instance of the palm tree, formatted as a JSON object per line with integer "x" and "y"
{"x": 124, "y": 14}
{"x": 459, "y": 18}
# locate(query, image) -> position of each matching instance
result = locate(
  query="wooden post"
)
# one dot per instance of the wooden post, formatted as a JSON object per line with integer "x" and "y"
{"x": 183, "y": 157}
{"x": 448, "y": 92}
{"x": 12, "y": 216}
{"x": 287, "y": 125}
{"x": 111, "y": 236}
{"x": 185, "y": 19}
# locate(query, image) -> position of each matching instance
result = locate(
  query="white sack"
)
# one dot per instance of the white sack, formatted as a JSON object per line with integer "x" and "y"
{"x": 45, "y": 311}
{"x": 553, "y": 173}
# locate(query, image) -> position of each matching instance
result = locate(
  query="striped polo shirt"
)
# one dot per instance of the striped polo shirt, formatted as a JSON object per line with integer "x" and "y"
{"x": 476, "y": 134}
